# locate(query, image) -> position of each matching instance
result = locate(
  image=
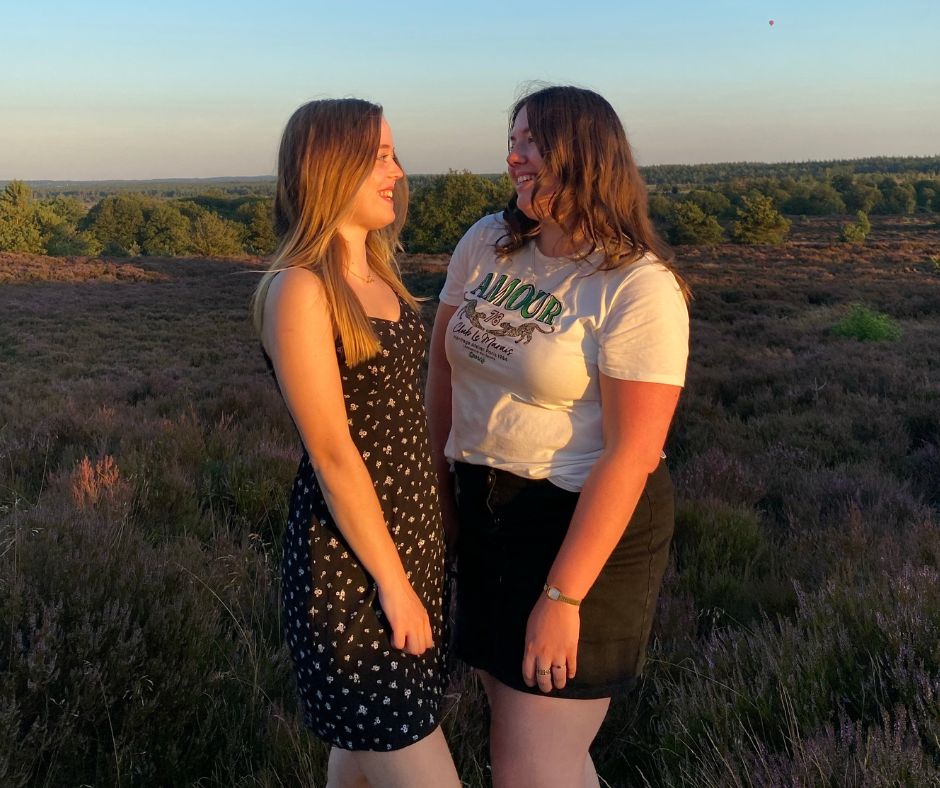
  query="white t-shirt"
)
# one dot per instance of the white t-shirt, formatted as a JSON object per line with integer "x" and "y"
{"x": 527, "y": 343}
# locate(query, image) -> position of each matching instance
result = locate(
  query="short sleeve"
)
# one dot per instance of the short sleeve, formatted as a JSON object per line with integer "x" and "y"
{"x": 645, "y": 334}
{"x": 461, "y": 261}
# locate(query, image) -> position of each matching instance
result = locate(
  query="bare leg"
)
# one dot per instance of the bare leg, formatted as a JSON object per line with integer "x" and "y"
{"x": 539, "y": 741}
{"x": 591, "y": 779}
{"x": 424, "y": 764}
{"x": 342, "y": 771}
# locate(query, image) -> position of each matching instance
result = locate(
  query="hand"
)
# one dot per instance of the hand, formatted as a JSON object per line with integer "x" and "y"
{"x": 551, "y": 644}
{"x": 407, "y": 617}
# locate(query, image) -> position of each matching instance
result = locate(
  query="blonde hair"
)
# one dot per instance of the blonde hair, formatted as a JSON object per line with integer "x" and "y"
{"x": 600, "y": 196}
{"x": 327, "y": 151}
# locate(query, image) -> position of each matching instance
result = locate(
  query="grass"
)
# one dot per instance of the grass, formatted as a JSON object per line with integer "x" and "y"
{"x": 145, "y": 457}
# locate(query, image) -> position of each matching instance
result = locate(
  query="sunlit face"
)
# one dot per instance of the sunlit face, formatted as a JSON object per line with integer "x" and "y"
{"x": 373, "y": 207}
{"x": 525, "y": 162}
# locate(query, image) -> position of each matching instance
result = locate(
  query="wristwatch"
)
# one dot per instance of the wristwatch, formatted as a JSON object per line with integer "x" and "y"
{"x": 554, "y": 593}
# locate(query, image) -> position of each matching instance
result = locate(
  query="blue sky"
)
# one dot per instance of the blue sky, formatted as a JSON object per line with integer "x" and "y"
{"x": 99, "y": 90}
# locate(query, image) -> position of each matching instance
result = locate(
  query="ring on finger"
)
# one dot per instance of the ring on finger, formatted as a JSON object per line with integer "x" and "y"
{"x": 541, "y": 672}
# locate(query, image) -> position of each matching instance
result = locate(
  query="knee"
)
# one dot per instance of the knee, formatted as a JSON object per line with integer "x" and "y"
{"x": 510, "y": 773}
{"x": 342, "y": 771}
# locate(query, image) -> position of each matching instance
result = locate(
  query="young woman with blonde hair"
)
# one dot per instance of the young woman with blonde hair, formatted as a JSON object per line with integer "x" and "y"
{"x": 363, "y": 557}
{"x": 557, "y": 359}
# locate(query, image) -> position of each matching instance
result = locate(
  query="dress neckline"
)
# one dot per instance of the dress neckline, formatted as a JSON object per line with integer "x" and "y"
{"x": 397, "y": 320}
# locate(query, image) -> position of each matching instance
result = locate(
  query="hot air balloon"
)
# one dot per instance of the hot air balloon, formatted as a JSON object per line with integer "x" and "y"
{"x": 771, "y": 23}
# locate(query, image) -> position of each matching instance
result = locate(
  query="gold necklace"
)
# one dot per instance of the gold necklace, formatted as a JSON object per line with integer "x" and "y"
{"x": 367, "y": 279}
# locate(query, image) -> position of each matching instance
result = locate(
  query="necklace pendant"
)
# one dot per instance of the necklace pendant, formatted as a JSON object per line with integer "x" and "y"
{"x": 368, "y": 279}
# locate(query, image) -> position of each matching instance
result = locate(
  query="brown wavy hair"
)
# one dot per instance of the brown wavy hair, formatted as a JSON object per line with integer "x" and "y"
{"x": 600, "y": 199}
{"x": 327, "y": 151}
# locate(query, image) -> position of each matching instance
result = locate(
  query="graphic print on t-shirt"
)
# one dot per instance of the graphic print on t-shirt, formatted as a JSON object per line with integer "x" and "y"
{"x": 489, "y": 335}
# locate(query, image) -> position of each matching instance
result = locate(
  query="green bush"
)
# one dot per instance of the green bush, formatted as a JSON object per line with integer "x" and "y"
{"x": 856, "y": 232}
{"x": 867, "y": 325}
{"x": 691, "y": 225}
{"x": 759, "y": 222}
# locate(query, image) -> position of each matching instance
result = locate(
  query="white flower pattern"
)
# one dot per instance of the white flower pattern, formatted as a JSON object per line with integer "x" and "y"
{"x": 357, "y": 675}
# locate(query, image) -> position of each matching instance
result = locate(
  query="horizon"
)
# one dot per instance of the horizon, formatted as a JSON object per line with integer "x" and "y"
{"x": 176, "y": 91}
{"x": 273, "y": 177}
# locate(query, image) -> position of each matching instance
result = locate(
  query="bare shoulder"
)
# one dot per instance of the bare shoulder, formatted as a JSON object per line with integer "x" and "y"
{"x": 296, "y": 303}
{"x": 295, "y": 287}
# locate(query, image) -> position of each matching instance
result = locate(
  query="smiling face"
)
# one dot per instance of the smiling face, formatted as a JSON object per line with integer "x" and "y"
{"x": 373, "y": 207}
{"x": 525, "y": 165}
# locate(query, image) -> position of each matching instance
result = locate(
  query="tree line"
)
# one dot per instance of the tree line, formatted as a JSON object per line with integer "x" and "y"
{"x": 225, "y": 224}
{"x": 689, "y": 175}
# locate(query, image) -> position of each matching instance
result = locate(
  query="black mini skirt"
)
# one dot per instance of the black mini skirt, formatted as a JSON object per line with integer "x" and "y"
{"x": 510, "y": 532}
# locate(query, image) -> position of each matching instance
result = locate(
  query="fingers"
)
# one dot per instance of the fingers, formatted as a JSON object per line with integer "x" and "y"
{"x": 418, "y": 641}
{"x": 543, "y": 677}
{"x": 550, "y": 659}
{"x": 550, "y": 674}
{"x": 428, "y": 633}
{"x": 408, "y": 621}
{"x": 545, "y": 673}
{"x": 528, "y": 668}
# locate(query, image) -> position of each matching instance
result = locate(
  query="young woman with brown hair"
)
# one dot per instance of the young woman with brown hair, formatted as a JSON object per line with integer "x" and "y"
{"x": 364, "y": 551}
{"x": 557, "y": 359}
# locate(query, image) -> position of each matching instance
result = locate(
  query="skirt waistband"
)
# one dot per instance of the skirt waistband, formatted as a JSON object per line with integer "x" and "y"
{"x": 481, "y": 473}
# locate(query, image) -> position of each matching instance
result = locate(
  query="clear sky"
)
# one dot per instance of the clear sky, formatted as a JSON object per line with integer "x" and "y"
{"x": 105, "y": 89}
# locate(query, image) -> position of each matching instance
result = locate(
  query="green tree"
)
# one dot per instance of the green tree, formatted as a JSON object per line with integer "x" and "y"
{"x": 65, "y": 240}
{"x": 856, "y": 232}
{"x": 59, "y": 219}
{"x": 711, "y": 202}
{"x": 759, "y": 222}
{"x": 660, "y": 209}
{"x": 447, "y": 205}
{"x": 857, "y": 195}
{"x": 213, "y": 236}
{"x": 896, "y": 197}
{"x": 166, "y": 231}
{"x": 117, "y": 221}
{"x": 68, "y": 209}
{"x": 258, "y": 218}
{"x": 812, "y": 198}
{"x": 20, "y": 229}
{"x": 928, "y": 191}
{"x": 691, "y": 225}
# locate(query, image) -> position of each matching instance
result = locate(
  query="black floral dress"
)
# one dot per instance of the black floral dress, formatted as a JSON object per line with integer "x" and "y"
{"x": 358, "y": 692}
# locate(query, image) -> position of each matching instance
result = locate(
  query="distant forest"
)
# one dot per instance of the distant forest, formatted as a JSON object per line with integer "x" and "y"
{"x": 742, "y": 202}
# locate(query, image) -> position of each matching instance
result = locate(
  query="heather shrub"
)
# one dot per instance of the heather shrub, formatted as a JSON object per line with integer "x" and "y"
{"x": 145, "y": 459}
{"x": 867, "y": 325}
{"x": 721, "y": 475}
{"x": 723, "y": 562}
{"x": 922, "y": 467}
{"x": 760, "y": 695}
{"x": 131, "y": 662}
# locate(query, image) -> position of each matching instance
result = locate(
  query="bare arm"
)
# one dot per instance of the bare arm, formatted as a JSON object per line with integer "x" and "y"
{"x": 298, "y": 336}
{"x": 438, "y": 401}
{"x": 636, "y": 418}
